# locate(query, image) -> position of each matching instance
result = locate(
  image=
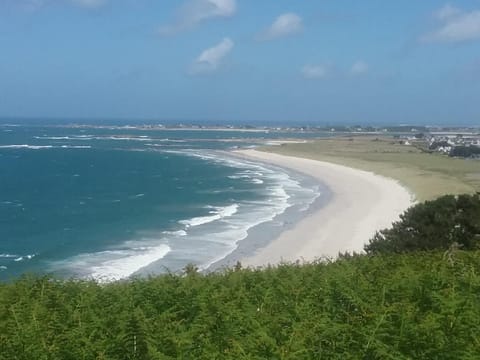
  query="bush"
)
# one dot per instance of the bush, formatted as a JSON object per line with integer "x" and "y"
{"x": 465, "y": 151}
{"x": 396, "y": 306}
{"x": 436, "y": 224}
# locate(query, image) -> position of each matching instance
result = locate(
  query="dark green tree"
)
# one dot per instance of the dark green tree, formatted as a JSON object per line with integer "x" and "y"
{"x": 436, "y": 224}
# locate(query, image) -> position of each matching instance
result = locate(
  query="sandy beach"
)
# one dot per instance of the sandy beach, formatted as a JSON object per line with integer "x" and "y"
{"x": 362, "y": 203}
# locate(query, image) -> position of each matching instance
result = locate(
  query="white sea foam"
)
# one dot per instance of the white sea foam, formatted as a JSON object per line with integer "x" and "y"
{"x": 279, "y": 192}
{"x": 93, "y": 137}
{"x": 73, "y": 137}
{"x": 275, "y": 200}
{"x": 76, "y": 147}
{"x": 3, "y": 268}
{"x": 25, "y": 146}
{"x": 52, "y": 137}
{"x": 124, "y": 138}
{"x": 175, "y": 233}
{"x": 41, "y": 147}
{"x": 172, "y": 140}
{"x": 166, "y": 140}
{"x": 116, "y": 264}
{"x": 237, "y": 227}
{"x": 8, "y": 256}
{"x": 218, "y": 213}
{"x": 128, "y": 262}
{"x": 26, "y": 257}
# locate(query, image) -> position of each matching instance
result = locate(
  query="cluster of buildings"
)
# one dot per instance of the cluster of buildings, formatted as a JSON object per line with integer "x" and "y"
{"x": 465, "y": 144}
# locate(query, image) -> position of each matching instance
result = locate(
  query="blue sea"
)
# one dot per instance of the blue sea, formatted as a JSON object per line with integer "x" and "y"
{"x": 108, "y": 203}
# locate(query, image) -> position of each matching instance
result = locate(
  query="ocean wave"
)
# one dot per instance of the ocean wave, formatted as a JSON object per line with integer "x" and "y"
{"x": 247, "y": 169}
{"x": 26, "y": 146}
{"x": 26, "y": 257}
{"x": 41, "y": 147}
{"x": 111, "y": 265}
{"x": 2, "y": 268}
{"x": 217, "y": 214}
{"x": 124, "y": 138}
{"x": 166, "y": 140}
{"x": 8, "y": 256}
{"x": 76, "y": 147}
{"x": 279, "y": 192}
{"x": 96, "y": 137}
{"x": 237, "y": 228}
{"x": 175, "y": 233}
{"x": 52, "y": 137}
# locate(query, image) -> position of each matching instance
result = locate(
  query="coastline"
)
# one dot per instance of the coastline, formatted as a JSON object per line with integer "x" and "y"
{"x": 357, "y": 204}
{"x": 261, "y": 235}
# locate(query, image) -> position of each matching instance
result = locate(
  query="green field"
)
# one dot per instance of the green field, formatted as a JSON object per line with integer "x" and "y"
{"x": 426, "y": 175}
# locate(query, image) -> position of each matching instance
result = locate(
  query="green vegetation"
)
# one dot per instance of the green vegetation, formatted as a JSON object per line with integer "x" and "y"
{"x": 427, "y": 175}
{"x": 420, "y": 306}
{"x": 465, "y": 151}
{"x": 438, "y": 224}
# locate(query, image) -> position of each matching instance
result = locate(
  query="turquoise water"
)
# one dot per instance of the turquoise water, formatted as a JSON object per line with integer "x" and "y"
{"x": 105, "y": 203}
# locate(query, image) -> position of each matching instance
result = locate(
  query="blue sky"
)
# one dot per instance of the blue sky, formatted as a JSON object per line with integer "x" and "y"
{"x": 325, "y": 62}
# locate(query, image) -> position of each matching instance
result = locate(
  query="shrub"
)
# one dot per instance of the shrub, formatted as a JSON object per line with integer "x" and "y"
{"x": 436, "y": 224}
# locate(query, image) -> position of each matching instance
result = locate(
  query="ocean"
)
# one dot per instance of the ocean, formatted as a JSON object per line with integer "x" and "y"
{"x": 109, "y": 203}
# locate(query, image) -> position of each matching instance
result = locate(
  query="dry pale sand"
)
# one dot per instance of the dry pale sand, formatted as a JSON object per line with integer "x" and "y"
{"x": 362, "y": 203}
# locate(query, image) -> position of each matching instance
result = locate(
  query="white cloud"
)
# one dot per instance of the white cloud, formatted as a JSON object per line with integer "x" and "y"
{"x": 446, "y": 12}
{"x": 284, "y": 25}
{"x": 318, "y": 71}
{"x": 211, "y": 59}
{"x": 359, "y": 67}
{"x": 193, "y": 12}
{"x": 455, "y": 26}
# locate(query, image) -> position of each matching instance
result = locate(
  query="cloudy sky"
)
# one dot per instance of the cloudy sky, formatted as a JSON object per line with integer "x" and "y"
{"x": 371, "y": 61}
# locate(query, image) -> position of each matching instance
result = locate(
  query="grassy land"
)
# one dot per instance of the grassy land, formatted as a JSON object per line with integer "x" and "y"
{"x": 426, "y": 175}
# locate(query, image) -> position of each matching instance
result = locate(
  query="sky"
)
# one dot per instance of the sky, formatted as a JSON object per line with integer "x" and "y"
{"x": 308, "y": 62}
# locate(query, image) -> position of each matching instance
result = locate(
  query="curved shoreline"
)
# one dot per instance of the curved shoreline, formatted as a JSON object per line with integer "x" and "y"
{"x": 262, "y": 234}
{"x": 361, "y": 204}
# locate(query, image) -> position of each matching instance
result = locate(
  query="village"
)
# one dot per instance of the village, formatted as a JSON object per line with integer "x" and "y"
{"x": 465, "y": 144}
